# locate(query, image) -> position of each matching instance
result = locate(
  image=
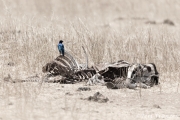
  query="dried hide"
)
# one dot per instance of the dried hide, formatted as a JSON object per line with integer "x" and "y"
{"x": 56, "y": 68}
{"x": 114, "y": 70}
{"x": 62, "y": 65}
{"x": 68, "y": 61}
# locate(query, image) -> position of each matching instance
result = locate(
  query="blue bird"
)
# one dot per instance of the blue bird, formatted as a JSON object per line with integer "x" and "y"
{"x": 61, "y": 47}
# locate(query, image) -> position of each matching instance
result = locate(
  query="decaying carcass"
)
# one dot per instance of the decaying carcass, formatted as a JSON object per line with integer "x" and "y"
{"x": 117, "y": 75}
{"x": 142, "y": 74}
{"x": 62, "y": 65}
{"x": 122, "y": 74}
{"x": 68, "y": 67}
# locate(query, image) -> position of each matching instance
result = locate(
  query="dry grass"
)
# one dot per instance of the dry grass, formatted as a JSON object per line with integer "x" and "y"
{"x": 109, "y": 31}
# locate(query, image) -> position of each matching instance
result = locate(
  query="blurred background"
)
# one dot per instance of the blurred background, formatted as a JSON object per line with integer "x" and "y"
{"x": 96, "y": 11}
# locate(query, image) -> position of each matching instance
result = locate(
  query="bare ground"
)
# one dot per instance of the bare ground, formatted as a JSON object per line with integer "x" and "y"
{"x": 63, "y": 101}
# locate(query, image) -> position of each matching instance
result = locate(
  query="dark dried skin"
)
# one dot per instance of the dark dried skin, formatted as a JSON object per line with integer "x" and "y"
{"x": 62, "y": 65}
{"x": 113, "y": 72}
{"x": 56, "y": 69}
{"x": 66, "y": 67}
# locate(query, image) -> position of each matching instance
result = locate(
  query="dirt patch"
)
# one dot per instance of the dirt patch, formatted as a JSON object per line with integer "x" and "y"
{"x": 84, "y": 89}
{"x": 98, "y": 97}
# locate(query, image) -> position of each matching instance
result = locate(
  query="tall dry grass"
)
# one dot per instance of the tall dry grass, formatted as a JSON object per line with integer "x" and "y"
{"x": 31, "y": 47}
{"x": 30, "y": 31}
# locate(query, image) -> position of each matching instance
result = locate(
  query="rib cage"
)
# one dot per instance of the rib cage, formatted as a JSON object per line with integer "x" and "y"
{"x": 68, "y": 67}
{"x": 68, "y": 61}
{"x": 75, "y": 64}
{"x": 85, "y": 74}
{"x": 71, "y": 63}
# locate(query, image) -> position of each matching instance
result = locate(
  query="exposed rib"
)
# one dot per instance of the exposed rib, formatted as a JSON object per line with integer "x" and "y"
{"x": 75, "y": 64}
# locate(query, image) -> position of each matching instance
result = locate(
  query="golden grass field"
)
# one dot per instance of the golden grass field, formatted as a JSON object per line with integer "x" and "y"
{"x": 109, "y": 31}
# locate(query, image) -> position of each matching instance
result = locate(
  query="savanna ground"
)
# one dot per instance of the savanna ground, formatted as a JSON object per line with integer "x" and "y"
{"x": 110, "y": 31}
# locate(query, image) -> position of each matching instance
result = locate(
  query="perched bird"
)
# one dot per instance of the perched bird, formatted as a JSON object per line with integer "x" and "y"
{"x": 61, "y": 47}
